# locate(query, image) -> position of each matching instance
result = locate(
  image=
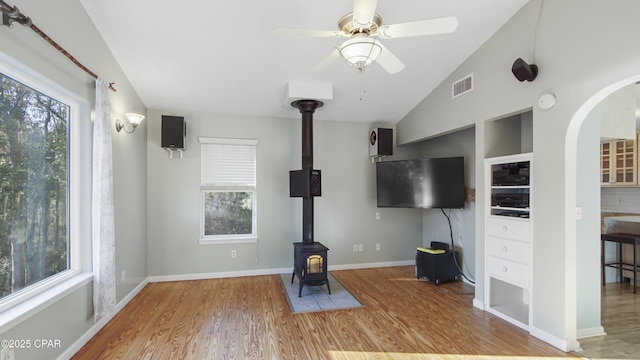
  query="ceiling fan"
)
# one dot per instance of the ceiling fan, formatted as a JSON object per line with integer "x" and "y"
{"x": 362, "y": 26}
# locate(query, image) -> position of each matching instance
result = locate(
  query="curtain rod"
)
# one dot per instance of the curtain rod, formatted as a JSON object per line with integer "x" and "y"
{"x": 11, "y": 14}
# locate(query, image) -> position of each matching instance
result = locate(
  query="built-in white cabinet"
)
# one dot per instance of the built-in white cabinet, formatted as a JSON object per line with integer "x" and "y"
{"x": 508, "y": 238}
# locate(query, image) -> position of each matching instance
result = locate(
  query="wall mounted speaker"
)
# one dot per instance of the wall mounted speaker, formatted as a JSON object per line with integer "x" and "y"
{"x": 523, "y": 71}
{"x": 174, "y": 132}
{"x": 304, "y": 183}
{"x": 380, "y": 142}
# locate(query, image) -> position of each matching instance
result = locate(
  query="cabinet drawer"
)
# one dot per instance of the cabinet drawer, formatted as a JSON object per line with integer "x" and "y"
{"x": 513, "y": 272}
{"x": 508, "y": 249}
{"x": 515, "y": 229}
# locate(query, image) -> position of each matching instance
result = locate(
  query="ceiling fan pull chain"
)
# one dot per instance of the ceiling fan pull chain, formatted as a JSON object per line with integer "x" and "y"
{"x": 363, "y": 83}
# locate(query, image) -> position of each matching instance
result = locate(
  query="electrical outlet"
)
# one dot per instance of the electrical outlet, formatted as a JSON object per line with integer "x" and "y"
{"x": 355, "y": 247}
{"x": 377, "y": 247}
{"x": 124, "y": 275}
{"x": 7, "y": 353}
{"x": 233, "y": 254}
{"x": 360, "y": 247}
{"x": 377, "y": 216}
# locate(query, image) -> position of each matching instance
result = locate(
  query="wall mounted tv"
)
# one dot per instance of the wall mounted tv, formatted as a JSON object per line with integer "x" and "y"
{"x": 421, "y": 183}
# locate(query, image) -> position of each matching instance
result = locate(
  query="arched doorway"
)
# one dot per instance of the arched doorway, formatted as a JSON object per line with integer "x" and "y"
{"x": 581, "y": 245}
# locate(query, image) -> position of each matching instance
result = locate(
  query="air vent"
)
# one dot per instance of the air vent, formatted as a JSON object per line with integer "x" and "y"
{"x": 462, "y": 86}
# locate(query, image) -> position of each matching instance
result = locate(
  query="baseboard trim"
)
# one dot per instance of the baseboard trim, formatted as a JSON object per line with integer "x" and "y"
{"x": 478, "y": 304}
{"x": 78, "y": 344}
{"x": 231, "y": 274}
{"x": 218, "y": 275}
{"x": 591, "y": 332}
{"x": 562, "y": 344}
{"x": 372, "y": 265}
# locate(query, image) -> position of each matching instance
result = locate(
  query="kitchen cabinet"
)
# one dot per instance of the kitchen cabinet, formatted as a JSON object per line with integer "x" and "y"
{"x": 619, "y": 163}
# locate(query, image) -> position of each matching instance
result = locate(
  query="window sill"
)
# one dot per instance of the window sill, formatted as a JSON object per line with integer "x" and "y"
{"x": 24, "y": 310}
{"x": 222, "y": 241}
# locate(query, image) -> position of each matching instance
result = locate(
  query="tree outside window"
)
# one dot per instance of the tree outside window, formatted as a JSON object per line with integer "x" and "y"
{"x": 228, "y": 213}
{"x": 33, "y": 186}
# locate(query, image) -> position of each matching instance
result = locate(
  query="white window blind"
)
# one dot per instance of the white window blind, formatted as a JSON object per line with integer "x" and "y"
{"x": 228, "y": 163}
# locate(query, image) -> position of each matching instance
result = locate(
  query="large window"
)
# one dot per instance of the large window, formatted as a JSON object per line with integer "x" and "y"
{"x": 34, "y": 196}
{"x": 228, "y": 190}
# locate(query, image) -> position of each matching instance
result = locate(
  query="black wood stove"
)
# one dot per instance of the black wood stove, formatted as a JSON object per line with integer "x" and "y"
{"x": 309, "y": 257}
{"x": 310, "y": 265}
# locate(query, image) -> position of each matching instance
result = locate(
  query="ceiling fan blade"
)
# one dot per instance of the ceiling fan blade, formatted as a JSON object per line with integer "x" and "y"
{"x": 305, "y": 33}
{"x": 326, "y": 61}
{"x": 418, "y": 28}
{"x": 388, "y": 61}
{"x": 363, "y": 11}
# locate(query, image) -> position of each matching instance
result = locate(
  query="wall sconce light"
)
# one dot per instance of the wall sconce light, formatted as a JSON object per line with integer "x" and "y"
{"x": 134, "y": 119}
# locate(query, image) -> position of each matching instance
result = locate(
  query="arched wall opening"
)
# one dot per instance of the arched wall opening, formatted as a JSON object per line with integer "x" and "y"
{"x": 573, "y": 201}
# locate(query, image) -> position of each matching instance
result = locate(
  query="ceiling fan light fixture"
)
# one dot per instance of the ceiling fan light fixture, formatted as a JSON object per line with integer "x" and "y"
{"x": 360, "y": 51}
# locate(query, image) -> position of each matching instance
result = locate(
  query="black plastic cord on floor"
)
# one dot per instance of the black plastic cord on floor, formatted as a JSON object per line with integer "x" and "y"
{"x": 453, "y": 247}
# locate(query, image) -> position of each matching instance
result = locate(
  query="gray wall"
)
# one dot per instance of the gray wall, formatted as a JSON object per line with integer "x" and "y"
{"x": 344, "y": 214}
{"x": 588, "y": 234}
{"x": 434, "y": 224}
{"x": 580, "y": 64}
{"x": 71, "y": 316}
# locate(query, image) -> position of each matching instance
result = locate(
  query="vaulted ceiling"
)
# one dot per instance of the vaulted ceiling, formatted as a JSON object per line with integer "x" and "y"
{"x": 223, "y": 56}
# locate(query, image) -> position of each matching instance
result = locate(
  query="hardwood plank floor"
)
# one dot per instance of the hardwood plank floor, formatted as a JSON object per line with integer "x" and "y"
{"x": 621, "y": 322}
{"x": 249, "y": 318}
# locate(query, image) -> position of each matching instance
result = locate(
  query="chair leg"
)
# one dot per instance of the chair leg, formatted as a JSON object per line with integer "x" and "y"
{"x": 602, "y": 261}
{"x": 635, "y": 264}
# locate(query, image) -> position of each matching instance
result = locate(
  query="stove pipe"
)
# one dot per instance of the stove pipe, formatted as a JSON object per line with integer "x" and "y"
{"x": 307, "y": 108}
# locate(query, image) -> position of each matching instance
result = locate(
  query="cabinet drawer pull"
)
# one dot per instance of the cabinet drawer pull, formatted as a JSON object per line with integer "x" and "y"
{"x": 505, "y": 249}
{"x": 504, "y": 228}
{"x": 504, "y": 269}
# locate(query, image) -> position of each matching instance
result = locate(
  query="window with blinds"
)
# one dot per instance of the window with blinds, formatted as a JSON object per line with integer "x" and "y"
{"x": 228, "y": 190}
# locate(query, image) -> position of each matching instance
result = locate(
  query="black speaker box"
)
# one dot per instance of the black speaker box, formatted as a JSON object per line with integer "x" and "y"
{"x": 174, "y": 132}
{"x": 304, "y": 183}
{"x": 523, "y": 71}
{"x": 381, "y": 142}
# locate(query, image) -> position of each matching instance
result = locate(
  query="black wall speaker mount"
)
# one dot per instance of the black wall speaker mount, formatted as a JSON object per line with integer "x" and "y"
{"x": 523, "y": 71}
{"x": 174, "y": 132}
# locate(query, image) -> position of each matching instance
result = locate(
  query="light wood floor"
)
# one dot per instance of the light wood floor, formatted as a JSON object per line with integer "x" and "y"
{"x": 621, "y": 322}
{"x": 249, "y": 318}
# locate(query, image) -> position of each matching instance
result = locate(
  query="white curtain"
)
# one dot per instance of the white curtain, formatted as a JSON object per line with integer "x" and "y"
{"x": 102, "y": 217}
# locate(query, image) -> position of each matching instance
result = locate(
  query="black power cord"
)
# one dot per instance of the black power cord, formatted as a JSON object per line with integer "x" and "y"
{"x": 452, "y": 245}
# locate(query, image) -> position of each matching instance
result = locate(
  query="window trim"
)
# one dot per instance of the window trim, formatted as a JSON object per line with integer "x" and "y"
{"x": 229, "y": 238}
{"x": 17, "y": 306}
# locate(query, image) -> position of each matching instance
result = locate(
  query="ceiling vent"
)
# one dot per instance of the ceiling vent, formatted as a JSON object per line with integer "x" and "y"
{"x": 462, "y": 86}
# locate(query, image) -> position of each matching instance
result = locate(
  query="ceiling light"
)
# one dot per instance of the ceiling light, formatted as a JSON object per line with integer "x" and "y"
{"x": 134, "y": 120}
{"x": 360, "y": 51}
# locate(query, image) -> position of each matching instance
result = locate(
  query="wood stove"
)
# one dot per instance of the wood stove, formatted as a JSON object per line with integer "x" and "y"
{"x": 310, "y": 265}
{"x": 309, "y": 257}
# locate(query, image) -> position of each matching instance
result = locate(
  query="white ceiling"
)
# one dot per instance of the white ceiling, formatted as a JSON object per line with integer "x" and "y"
{"x": 222, "y": 56}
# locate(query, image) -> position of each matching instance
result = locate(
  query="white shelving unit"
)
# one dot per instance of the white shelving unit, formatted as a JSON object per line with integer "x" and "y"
{"x": 508, "y": 238}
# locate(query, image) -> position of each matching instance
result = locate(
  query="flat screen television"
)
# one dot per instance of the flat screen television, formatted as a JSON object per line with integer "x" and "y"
{"x": 421, "y": 183}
